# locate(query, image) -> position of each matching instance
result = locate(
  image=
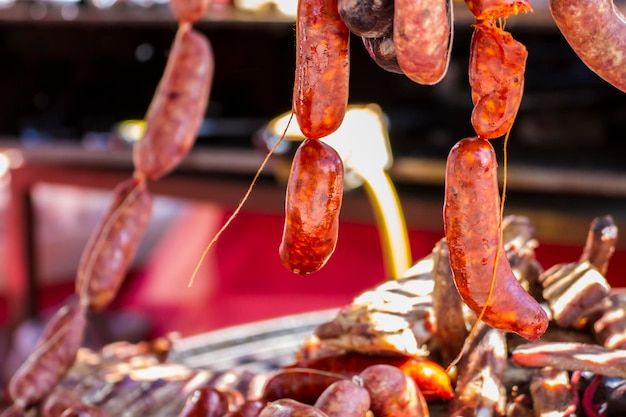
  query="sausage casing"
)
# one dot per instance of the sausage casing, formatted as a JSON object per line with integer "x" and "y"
{"x": 596, "y": 31}
{"x": 344, "y": 399}
{"x": 370, "y": 18}
{"x": 189, "y": 11}
{"x": 178, "y": 106}
{"x": 422, "y": 34}
{"x": 313, "y": 201}
{"x": 496, "y": 75}
{"x": 53, "y": 355}
{"x": 383, "y": 51}
{"x": 113, "y": 244}
{"x": 320, "y": 95}
{"x": 472, "y": 228}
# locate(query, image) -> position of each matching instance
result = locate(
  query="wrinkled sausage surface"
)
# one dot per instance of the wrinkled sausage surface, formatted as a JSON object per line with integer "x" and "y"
{"x": 312, "y": 205}
{"x": 472, "y": 229}
{"x": 320, "y": 94}
{"x": 113, "y": 244}
{"x": 178, "y": 106}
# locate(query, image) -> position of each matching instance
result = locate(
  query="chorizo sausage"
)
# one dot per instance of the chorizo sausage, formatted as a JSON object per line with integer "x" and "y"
{"x": 369, "y": 18}
{"x": 383, "y": 52}
{"x": 178, "y": 106}
{"x": 320, "y": 96}
{"x": 312, "y": 204}
{"x": 596, "y": 31}
{"x": 205, "y": 402}
{"x": 392, "y": 393}
{"x": 113, "y": 244}
{"x": 496, "y": 75}
{"x": 287, "y": 407}
{"x": 472, "y": 229}
{"x": 52, "y": 356}
{"x": 422, "y": 34}
{"x": 344, "y": 399}
{"x": 189, "y": 11}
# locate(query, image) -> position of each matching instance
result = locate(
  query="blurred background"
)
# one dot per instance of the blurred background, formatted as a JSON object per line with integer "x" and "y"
{"x": 74, "y": 75}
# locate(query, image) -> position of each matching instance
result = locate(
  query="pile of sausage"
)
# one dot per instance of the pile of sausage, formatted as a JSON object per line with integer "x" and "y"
{"x": 172, "y": 122}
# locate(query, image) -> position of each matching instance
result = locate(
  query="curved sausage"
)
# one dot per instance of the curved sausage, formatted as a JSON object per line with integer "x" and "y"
{"x": 496, "y": 9}
{"x": 369, "y": 18}
{"x": 313, "y": 201}
{"x": 53, "y": 355}
{"x": 113, "y": 244}
{"x": 189, "y": 11}
{"x": 422, "y": 34}
{"x": 178, "y": 106}
{"x": 344, "y": 399}
{"x": 596, "y": 31}
{"x": 320, "y": 95}
{"x": 496, "y": 75}
{"x": 472, "y": 228}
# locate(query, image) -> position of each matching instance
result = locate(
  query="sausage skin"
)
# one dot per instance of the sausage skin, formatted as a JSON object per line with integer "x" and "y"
{"x": 178, "y": 106}
{"x": 383, "y": 51}
{"x": 496, "y": 75}
{"x": 189, "y": 11}
{"x": 422, "y": 34}
{"x": 596, "y": 31}
{"x": 312, "y": 204}
{"x": 369, "y": 18}
{"x": 472, "y": 229}
{"x": 344, "y": 399}
{"x": 53, "y": 355}
{"x": 113, "y": 244}
{"x": 320, "y": 95}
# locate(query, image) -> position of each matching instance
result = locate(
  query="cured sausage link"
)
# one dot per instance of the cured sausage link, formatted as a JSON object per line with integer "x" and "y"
{"x": 320, "y": 95}
{"x": 51, "y": 358}
{"x": 596, "y": 31}
{"x": 496, "y": 75}
{"x": 112, "y": 246}
{"x": 189, "y": 11}
{"x": 312, "y": 205}
{"x": 472, "y": 228}
{"x": 178, "y": 106}
{"x": 422, "y": 34}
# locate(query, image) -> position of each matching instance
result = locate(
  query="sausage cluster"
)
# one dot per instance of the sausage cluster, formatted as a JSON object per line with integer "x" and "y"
{"x": 172, "y": 121}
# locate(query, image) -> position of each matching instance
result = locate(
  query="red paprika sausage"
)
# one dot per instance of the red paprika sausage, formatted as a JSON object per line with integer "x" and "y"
{"x": 113, "y": 244}
{"x": 496, "y": 9}
{"x": 320, "y": 94}
{"x": 596, "y": 31}
{"x": 422, "y": 35}
{"x": 472, "y": 228}
{"x": 496, "y": 75}
{"x": 189, "y": 11}
{"x": 300, "y": 384}
{"x": 53, "y": 355}
{"x": 205, "y": 402}
{"x": 178, "y": 106}
{"x": 313, "y": 201}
